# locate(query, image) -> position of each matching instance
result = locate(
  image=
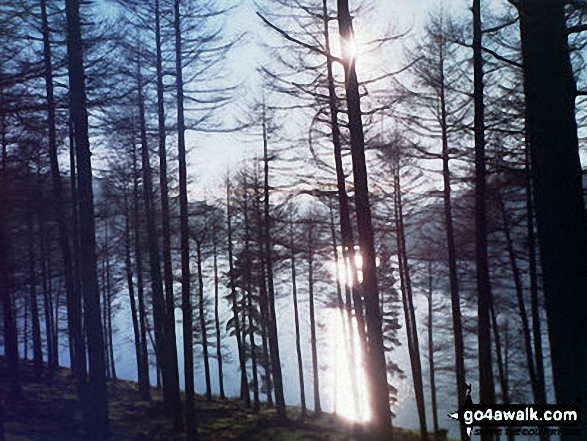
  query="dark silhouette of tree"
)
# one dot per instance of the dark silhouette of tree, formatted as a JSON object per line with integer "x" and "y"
{"x": 550, "y": 92}
{"x": 96, "y": 414}
{"x": 486, "y": 387}
{"x": 376, "y": 366}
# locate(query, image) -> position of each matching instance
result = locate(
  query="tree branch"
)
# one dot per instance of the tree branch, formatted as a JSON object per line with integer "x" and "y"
{"x": 299, "y": 42}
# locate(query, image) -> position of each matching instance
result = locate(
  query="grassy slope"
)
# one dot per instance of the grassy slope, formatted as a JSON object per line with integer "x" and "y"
{"x": 50, "y": 412}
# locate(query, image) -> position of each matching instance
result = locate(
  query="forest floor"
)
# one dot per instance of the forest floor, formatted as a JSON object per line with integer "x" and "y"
{"x": 50, "y": 411}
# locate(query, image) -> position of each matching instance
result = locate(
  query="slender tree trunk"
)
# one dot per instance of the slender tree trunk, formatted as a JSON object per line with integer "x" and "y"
{"x": 249, "y": 289}
{"x": 10, "y": 331}
{"x": 297, "y": 320}
{"x": 431, "y": 348}
{"x": 188, "y": 349}
{"x": 203, "y": 330}
{"x": 144, "y": 386}
{"x": 170, "y": 394}
{"x": 217, "y": 321}
{"x": 35, "y": 321}
{"x": 263, "y": 295}
{"x": 273, "y": 333}
{"x": 170, "y": 334}
{"x": 144, "y": 365}
{"x": 348, "y": 243}
{"x": 534, "y": 301}
{"x": 78, "y": 362}
{"x": 521, "y": 304}
{"x": 498, "y": 355}
{"x": 376, "y": 365}
{"x": 235, "y": 309}
{"x": 450, "y": 245}
{"x": 96, "y": 414}
{"x": 78, "y": 349}
{"x": 487, "y": 391}
{"x": 313, "y": 339}
{"x": 408, "y": 304}
{"x": 47, "y": 300}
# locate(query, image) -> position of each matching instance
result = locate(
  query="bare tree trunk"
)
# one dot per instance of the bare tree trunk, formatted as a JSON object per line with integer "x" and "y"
{"x": 313, "y": 339}
{"x": 47, "y": 301}
{"x": 450, "y": 245}
{"x": 521, "y": 305}
{"x": 203, "y": 330}
{"x": 408, "y": 304}
{"x": 170, "y": 334}
{"x": 170, "y": 393}
{"x": 237, "y": 325}
{"x": 35, "y": 321}
{"x": 348, "y": 243}
{"x": 487, "y": 391}
{"x": 78, "y": 362}
{"x": 249, "y": 289}
{"x": 144, "y": 387}
{"x": 273, "y": 334}
{"x": 188, "y": 349}
{"x": 376, "y": 364}
{"x": 96, "y": 415}
{"x": 144, "y": 365}
{"x": 297, "y": 320}
{"x": 431, "y": 356}
{"x": 217, "y": 322}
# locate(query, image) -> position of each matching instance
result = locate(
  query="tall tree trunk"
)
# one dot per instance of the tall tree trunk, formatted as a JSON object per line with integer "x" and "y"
{"x": 431, "y": 364}
{"x": 34, "y": 304}
{"x": 140, "y": 285}
{"x": 217, "y": 321}
{"x": 313, "y": 339}
{"x": 450, "y": 245}
{"x": 249, "y": 292}
{"x": 235, "y": 308}
{"x": 47, "y": 300}
{"x": 170, "y": 334}
{"x": 487, "y": 391}
{"x": 202, "y": 317}
{"x": 96, "y": 412}
{"x": 171, "y": 399}
{"x": 77, "y": 345}
{"x": 186, "y": 304}
{"x": 348, "y": 243}
{"x": 560, "y": 213}
{"x": 263, "y": 295}
{"x": 144, "y": 386}
{"x": 273, "y": 334}
{"x": 376, "y": 365}
{"x": 297, "y": 320}
{"x": 75, "y": 310}
{"x": 521, "y": 304}
{"x": 10, "y": 331}
{"x": 408, "y": 304}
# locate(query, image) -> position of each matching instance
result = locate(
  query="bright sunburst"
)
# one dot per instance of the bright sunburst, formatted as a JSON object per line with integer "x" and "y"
{"x": 348, "y": 371}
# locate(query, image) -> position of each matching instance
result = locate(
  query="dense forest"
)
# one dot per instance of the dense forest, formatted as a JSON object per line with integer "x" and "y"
{"x": 276, "y": 199}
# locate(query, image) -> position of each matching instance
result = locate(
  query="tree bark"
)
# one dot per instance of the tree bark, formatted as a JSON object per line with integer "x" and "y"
{"x": 96, "y": 412}
{"x": 560, "y": 213}
{"x": 273, "y": 333}
{"x": 487, "y": 391}
{"x": 297, "y": 321}
{"x": 235, "y": 309}
{"x": 313, "y": 339}
{"x": 170, "y": 334}
{"x": 376, "y": 364}
{"x": 186, "y": 304}
{"x": 202, "y": 317}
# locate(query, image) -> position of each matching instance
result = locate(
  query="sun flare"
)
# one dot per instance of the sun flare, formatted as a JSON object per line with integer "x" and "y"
{"x": 350, "y": 400}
